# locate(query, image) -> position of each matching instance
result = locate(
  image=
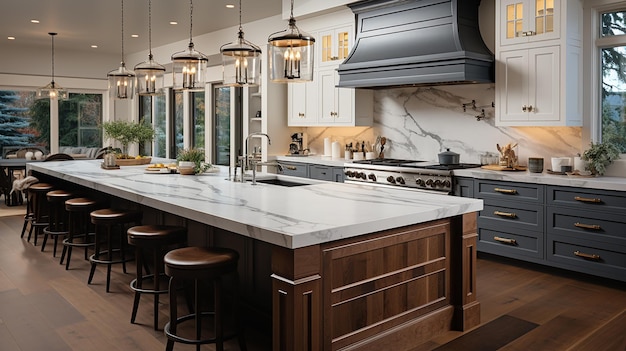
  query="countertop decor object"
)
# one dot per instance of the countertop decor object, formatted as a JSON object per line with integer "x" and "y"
{"x": 128, "y": 132}
{"x": 194, "y": 155}
{"x": 600, "y": 155}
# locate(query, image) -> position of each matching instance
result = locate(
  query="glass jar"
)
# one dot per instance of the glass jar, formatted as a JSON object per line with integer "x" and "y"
{"x": 109, "y": 158}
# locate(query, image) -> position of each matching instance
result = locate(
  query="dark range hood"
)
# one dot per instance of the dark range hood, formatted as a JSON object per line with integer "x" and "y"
{"x": 416, "y": 43}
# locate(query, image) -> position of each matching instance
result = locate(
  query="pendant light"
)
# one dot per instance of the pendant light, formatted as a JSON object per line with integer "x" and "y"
{"x": 121, "y": 80}
{"x": 241, "y": 61}
{"x": 149, "y": 73}
{"x": 189, "y": 66}
{"x": 52, "y": 90}
{"x": 291, "y": 54}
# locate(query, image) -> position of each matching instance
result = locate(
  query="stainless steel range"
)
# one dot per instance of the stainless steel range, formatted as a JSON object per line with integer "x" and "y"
{"x": 417, "y": 175}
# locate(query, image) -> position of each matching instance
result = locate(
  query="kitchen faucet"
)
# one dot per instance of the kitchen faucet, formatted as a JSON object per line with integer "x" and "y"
{"x": 246, "y": 161}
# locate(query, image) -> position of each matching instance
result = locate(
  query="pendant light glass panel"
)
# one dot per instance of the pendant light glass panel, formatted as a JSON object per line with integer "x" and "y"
{"x": 121, "y": 83}
{"x": 291, "y": 55}
{"x": 189, "y": 69}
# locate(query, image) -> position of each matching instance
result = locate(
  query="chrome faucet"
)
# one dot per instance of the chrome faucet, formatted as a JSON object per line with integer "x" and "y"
{"x": 254, "y": 164}
{"x": 246, "y": 161}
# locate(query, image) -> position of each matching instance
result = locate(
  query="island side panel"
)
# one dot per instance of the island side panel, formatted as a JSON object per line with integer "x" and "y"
{"x": 467, "y": 307}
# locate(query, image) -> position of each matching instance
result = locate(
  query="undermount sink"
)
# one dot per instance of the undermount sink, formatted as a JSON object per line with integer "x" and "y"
{"x": 280, "y": 182}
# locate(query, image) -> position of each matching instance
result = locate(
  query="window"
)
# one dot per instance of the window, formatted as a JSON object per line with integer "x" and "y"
{"x": 611, "y": 44}
{"x": 221, "y": 96}
{"x": 80, "y": 118}
{"x": 198, "y": 118}
{"x": 179, "y": 123}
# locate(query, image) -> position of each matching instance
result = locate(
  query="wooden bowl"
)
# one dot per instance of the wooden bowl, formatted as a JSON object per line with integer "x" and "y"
{"x": 186, "y": 171}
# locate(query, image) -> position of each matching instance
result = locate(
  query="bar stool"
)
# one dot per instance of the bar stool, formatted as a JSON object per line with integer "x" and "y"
{"x": 110, "y": 225}
{"x": 40, "y": 214}
{"x": 152, "y": 239}
{"x": 58, "y": 226}
{"x": 201, "y": 264}
{"x": 80, "y": 230}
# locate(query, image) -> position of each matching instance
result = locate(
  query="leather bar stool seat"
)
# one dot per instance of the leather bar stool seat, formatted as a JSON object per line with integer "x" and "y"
{"x": 59, "y": 222}
{"x": 39, "y": 206}
{"x": 110, "y": 230}
{"x": 81, "y": 232}
{"x": 152, "y": 240}
{"x": 201, "y": 264}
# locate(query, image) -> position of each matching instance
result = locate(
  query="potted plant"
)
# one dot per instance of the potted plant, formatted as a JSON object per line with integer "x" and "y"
{"x": 193, "y": 158}
{"x": 600, "y": 155}
{"x": 128, "y": 132}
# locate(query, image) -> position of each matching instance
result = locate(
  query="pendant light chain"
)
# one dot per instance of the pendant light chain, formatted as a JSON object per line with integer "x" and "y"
{"x": 150, "y": 28}
{"x": 240, "y": 29}
{"x": 122, "y": 32}
{"x": 190, "y": 21}
{"x": 52, "y": 35}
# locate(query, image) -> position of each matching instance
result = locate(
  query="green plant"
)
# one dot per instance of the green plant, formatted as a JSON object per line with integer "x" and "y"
{"x": 197, "y": 157}
{"x": 600, "y": 155}
{"x": 128, "y": 132}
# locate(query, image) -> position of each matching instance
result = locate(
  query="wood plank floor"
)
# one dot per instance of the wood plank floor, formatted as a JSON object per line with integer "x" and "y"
{"x": 45, "y": 307}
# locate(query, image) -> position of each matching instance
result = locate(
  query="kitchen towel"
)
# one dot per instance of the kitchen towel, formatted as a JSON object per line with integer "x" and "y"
{"x": 336, "y": 150}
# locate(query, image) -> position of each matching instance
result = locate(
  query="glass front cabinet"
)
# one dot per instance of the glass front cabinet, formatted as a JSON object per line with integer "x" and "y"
{"x": 524, "y": 21}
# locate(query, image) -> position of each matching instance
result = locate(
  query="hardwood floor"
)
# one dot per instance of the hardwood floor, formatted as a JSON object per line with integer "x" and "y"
{"x": 45, "y": 307}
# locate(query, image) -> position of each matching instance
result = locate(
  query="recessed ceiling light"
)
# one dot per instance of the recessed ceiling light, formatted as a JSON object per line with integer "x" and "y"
{"x": 94, "y": 46}
{"x": 173, "y": 22}
{"x": 34, "y": 21}
{"x": 230, "y": 6}
{"x": 134, "y": 35}
{"x": 11, "y": 38}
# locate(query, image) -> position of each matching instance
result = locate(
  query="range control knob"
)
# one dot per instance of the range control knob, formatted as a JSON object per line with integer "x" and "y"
{"x": 436, "y": 183}
{"x": 372, "y": 176}
{"x": 400, "y": 180}
{"x": 349, "y": 174}
{"x": 446, "y": 183}
{"x": 363, "y": 175}
{"x": 391, "y": 179}
{"x": 420, "y": 182}
{"x": 429, "y": 182}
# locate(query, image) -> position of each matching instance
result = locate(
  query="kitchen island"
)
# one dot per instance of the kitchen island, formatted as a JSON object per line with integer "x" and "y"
{"x": 341, "y": 266}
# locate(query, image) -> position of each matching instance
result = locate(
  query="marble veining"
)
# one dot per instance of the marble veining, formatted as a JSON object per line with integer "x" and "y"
{"x": 290, "y": 217}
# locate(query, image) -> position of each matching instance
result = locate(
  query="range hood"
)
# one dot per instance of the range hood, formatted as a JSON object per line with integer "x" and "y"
{"x": 416, "y": 42}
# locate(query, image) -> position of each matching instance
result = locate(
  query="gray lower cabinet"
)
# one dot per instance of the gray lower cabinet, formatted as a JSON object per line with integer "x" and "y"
{"x": 511, "y": 223}
{"x": 586, "y": 231}
{"x": 578, "y": 229}
{"x": 313, "y": 171}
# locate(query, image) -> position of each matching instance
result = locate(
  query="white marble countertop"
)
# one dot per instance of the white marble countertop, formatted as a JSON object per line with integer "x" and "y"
{"x": 603, "y": 182}
{"x": 291, "y": 217}
{"x": 317, "y": 160}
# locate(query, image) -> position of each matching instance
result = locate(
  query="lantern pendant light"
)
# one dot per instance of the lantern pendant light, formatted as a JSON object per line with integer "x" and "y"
{"x": 291, "y": 54}
{"x": 149, "y": 73}
{"x": 241, "y": 61}
{"x": 52, "y": 90}
{"x": 121, "y": 80}
{"x": 189, "y": 66}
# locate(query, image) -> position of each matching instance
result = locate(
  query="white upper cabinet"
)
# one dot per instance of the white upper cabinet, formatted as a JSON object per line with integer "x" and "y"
{"x": 320, "y": 103}
{"x": 524, "y": 21}
{"x": 538, "y": 74}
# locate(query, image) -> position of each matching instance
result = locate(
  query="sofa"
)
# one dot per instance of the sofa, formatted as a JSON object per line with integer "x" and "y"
{"x": 79, "y": 152}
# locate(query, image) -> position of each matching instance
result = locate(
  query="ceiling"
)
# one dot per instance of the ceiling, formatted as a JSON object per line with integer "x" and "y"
{"x": 82, "y": 23}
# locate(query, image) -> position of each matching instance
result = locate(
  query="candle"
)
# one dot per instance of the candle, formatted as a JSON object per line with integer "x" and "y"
{"x": 185, "y": 77}
{"x": 287, "y": 63}
{"x": 153, "y": 84}
{"x": 297, "y": 73}
{"x": 237, "y": 71}
{"x": 147, "y": 84}
{"x": 192, "y": 77}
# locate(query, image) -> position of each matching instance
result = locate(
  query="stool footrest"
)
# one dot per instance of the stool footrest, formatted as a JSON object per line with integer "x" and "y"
{"x": 178, "y": 338}
{"x": 133, "y": 285}
{"x": 93, "y": 258}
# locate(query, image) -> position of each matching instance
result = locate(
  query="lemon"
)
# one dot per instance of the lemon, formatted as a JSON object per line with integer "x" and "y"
{"x": 138, "y": 157}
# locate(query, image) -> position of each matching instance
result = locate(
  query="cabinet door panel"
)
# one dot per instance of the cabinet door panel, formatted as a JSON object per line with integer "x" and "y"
{"x": 328, "y": 97}
{"x": 544, "y": 86}
{"x": 514, "y": 77}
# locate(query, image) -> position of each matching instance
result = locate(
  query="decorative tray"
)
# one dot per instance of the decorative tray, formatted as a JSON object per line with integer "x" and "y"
{"x": 112, "y": 167}
{"x": 504, "y": 168}
{"x": 133, "y": 161}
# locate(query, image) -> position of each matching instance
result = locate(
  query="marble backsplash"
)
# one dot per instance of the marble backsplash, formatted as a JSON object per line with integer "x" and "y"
{"x": 421, "y": 122}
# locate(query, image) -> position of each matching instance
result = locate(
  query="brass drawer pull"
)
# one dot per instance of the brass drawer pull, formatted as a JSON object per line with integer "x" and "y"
{"x": 587, "y": 256}
{"x": 505, "y": 240}
{"x": 587, "y": 226}
{"x": 505, "y": 214}
{"x": 505, "y": 191}
{"x": 291, "y": 168}
{"x": 586, "y": 199}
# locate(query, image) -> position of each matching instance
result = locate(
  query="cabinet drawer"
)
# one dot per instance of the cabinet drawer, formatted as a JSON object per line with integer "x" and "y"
{"x": 295, "y": 169}
{"x": 513, "y": 243}
{"x": 321, "y": 172}
{"x": 586, "y": 225}
{"x": 593, "y": 258}
{"x": 511, "y": 214}
{"x": 509, "y": 191}
{"x": 588, "y": 199}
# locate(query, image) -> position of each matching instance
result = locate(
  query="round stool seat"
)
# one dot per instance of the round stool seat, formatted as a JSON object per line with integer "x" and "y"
{"x": 155, "y": 239}
{"x": 81, "y": 204}
{"x": 156, "y": 235}
{"x": 108, "y": 216}
{"x": 59, "y": 195}
{"x": 41, "y": 187}
{"x": 200, "y": 262}
{"x": 39, "y": 208}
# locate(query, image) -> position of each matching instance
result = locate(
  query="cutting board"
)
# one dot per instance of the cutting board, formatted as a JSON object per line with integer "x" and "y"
{"x": 504, "y": 168}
